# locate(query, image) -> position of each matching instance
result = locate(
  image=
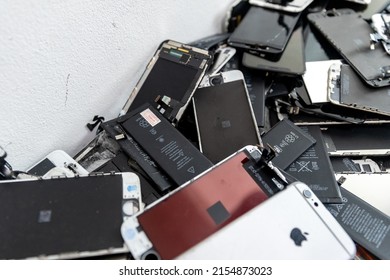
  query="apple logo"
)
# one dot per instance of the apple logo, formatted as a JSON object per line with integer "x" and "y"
{"x": 298, "y": 237}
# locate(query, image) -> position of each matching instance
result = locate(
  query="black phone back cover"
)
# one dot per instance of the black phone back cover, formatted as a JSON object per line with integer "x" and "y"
{"x": 225, "y": 119}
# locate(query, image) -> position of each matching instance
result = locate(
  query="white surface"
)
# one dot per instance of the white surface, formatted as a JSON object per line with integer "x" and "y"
{"x": 62, "y": 62}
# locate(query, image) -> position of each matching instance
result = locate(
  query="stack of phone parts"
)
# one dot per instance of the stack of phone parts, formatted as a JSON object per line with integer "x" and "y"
{"x": 224, "y": 115}
{"x": 348, "y": 32}
{"x": 64, "y": 218}
{"x": 198, "y": 209}
{"x": 174, "y": 71}
{"x": 347, "y": 89}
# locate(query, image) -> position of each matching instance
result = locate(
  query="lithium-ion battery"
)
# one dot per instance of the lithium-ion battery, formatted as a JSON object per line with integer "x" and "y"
{"x": 165, "y": 144}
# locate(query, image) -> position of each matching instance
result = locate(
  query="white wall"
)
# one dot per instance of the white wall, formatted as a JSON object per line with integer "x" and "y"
{"x": 62, "y": 62}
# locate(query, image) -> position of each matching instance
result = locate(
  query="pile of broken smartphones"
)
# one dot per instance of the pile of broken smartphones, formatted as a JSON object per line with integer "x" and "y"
{"x": 277, "y": 129}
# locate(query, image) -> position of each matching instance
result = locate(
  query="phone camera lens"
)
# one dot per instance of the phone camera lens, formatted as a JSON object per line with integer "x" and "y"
{"x": 216, "y": 80}
{"x": 307, "y": 193}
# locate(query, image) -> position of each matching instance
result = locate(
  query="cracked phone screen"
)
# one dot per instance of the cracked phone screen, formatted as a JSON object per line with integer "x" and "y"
{"x": 265, "y": 29}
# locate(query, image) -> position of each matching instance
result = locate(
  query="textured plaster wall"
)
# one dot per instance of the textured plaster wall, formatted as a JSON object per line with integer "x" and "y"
{"x": 62, "y": 62}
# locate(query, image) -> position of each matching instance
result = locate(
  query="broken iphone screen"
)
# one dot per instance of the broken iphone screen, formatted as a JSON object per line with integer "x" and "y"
{"x": 264, "y": 30}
